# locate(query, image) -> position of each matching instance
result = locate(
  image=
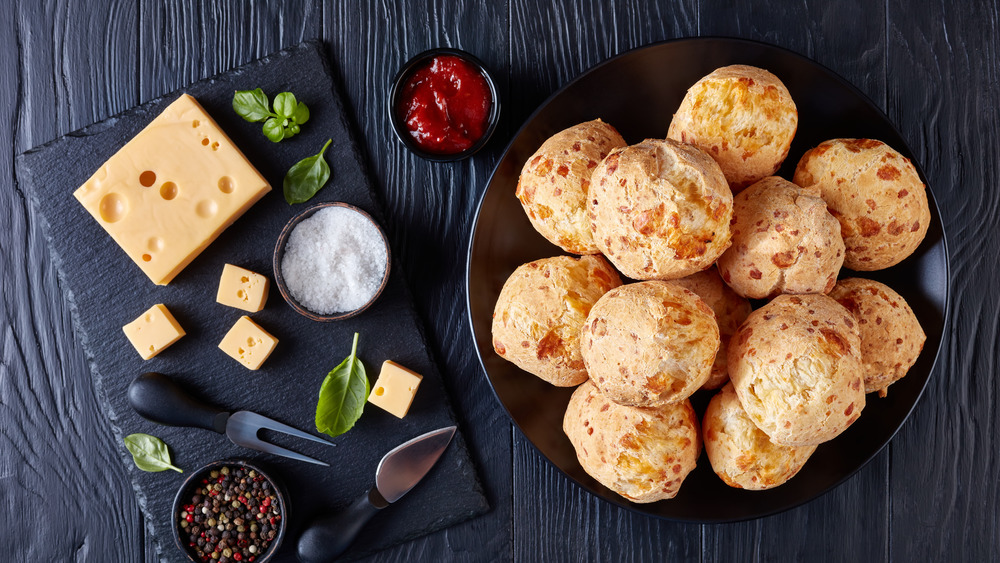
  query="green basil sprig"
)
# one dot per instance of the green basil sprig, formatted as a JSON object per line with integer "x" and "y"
{"x": 306, "y": 177}
{"x": 282, "y": 123}
{"x": 342, "y": 396}
{"x": 149, "y": 453}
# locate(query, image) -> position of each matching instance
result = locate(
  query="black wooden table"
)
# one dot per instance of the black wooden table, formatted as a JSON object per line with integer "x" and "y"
{"x": 932, "y": 494}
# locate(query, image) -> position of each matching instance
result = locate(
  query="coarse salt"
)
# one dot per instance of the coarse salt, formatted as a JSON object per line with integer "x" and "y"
{"x": 334, "y": 261}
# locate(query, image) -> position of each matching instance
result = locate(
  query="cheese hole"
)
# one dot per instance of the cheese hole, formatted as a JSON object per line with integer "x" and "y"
{"x": 250, "y": 342}
{"x": 147, "y": 178}
{"x": 206, "y": 208}
{"x": 155, "y": 244}
{"x": 239, "y": 294}
{"x": 379, "y": 391}
{"x": 241, "y": 351}
{"x": 205, "y": 141}
{"x": 148, "y": 318}
{"x": 244, "y": 279}
{"x": 168, "y": 191}
{"x": 226, "y": 185}
{"x": 215, "y": 146}
{"x": 113, "y": 207}
{"x": 195, "y": 123}
{"x": 146, "y": 257}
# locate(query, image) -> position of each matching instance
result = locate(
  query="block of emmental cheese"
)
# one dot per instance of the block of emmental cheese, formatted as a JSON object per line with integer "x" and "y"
{"x": 242, "y": 289}
{"x": 171, "y": 190}
{"x": 153, "y": 332}
{"x": 247, "y": 343}
{"x": 395, "y": 388}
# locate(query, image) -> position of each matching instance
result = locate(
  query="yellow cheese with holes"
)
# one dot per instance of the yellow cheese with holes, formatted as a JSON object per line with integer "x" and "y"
{"x": 153, "y": 332}
{"x": 242, "y": 289}
{"x": 171, "y": 190}
{"x": 247, "y": 343}
{"x": 395, "y": 388}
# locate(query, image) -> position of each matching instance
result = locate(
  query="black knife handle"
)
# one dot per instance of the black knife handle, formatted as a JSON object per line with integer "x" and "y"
{"x": 327, "y": 537}
{"x": 159, "y": 399}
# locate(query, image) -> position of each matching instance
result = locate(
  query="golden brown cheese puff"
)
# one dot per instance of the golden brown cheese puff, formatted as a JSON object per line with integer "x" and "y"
{"x": 742, "y": 455}
{"x": 649, "y": 344}
{"x": 643, "y": 454}
{"x": 730, "y": 311}
{"x": 660, "y": 209}
{"x": 784, "y": 241}
{"x": 741, "y": 115}
{"x": 541, "y": 308}
{"x": 796, "y": 367}
{"x": 554, "y": 182}
{"x": 875, "y": 193}
{"x": 891, "y": 336}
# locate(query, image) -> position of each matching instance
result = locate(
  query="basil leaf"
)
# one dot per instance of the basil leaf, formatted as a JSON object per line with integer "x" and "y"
{"x": 251, "y": 105}
{"x": 342, "y": 396}
{"x": 284, "y": 104}
{"x": 306, "y": 177}
{"x": 301, "y": 114}
{"x": 273, "y": 130}
{"x": 149, "y": 453}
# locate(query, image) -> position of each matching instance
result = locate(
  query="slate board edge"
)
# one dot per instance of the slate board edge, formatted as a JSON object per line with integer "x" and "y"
{"x": 96, "y": 378}
{"x": 362, "y": 162}
{"x": 24, "y": 176}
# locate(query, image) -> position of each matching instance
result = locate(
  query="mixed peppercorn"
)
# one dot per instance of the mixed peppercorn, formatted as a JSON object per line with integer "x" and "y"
{"x": 233, "y": 515}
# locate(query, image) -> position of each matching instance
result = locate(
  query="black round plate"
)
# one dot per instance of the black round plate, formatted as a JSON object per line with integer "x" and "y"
{"x": 637, "y": 92}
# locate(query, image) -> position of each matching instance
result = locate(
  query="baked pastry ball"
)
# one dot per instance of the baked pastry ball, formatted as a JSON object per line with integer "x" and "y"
{"x": 796, "y": 367}
{"x": 660, "y": 209}
{"x": 730, "y": 311}
{"x": 643, "y": 454}
{"x": 742, "y": 455}
{"x": 649, "y": 344}
{"x": 541, "y": 308}
{"x": 891, "y": 336}
{"x": 744, "y": 117}
{"x": 553, "y": 184}
{"x": 784, "y": 241}
{"x": 875, "y": 193}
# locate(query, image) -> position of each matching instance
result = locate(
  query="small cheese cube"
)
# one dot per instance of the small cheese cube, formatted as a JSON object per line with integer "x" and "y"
{"x": 395, "y": 388}
{"x": 172, "y": 190}
{"x": 247, "y": 343}
{"x": 153, "y": 332}
{"x": 242, "y": 289}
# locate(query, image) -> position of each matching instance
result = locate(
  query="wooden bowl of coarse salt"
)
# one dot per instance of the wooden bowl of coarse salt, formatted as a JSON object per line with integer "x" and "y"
{"x": 331, "y": 261}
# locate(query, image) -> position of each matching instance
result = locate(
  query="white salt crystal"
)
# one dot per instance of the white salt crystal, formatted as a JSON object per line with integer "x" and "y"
{"x": 334, "y": 261}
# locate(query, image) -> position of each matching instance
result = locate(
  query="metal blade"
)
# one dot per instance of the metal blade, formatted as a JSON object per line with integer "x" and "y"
{"x": 406, "y": 464}
{"x": 243, "y": 426}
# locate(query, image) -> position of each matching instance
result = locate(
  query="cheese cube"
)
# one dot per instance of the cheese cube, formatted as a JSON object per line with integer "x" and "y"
{"x": 242, "y": 289}
{"x": 247, "y": 343}
{"x": 153, "y": 332}
{"x": 395, "y": 388}
{"x": 172, "y": 189}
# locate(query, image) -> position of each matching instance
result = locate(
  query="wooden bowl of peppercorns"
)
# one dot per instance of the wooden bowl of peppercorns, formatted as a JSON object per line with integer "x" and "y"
{"x": 230, "y": 511}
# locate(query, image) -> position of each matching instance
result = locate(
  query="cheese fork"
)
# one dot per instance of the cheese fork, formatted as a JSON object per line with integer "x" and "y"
{"x": 160, "y": 399}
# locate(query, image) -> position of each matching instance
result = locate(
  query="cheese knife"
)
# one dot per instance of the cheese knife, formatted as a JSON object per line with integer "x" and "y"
{"x": 160, "y": 399}
{"x": 398, "y": 472}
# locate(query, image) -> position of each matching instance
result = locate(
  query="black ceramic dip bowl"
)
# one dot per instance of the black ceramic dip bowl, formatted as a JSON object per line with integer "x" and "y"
{"x": 231, "y": 508}
{"x": 435, "y": 105}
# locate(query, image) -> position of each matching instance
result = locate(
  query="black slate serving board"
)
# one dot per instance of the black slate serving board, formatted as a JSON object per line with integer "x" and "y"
{"x": 106, "y": 290}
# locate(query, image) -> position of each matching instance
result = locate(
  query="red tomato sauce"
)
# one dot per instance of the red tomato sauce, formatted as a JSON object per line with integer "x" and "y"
{"x": 446, "y": 105}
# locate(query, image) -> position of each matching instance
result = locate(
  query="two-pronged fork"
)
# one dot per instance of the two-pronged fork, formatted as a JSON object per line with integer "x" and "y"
{"x": 160, "y": 399}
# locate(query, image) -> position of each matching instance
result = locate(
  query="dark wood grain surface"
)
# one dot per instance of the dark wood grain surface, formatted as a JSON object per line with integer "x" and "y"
{"x": 934, "y": 68}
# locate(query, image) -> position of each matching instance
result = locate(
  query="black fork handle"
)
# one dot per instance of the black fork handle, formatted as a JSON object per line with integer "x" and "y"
{"x": 160, "y": 399}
